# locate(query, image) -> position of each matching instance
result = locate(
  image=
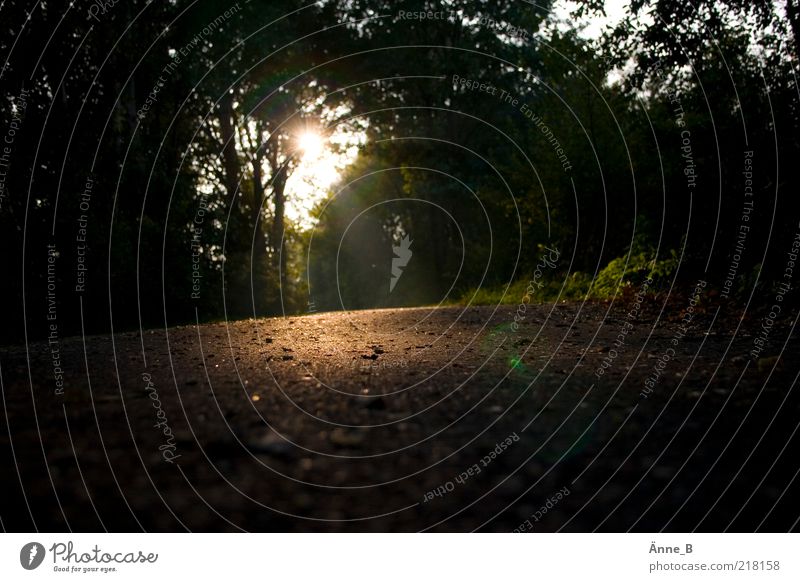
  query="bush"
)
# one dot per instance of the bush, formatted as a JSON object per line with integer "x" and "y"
{"x": 624, "y": 273}
{"x": 619, "y": 277}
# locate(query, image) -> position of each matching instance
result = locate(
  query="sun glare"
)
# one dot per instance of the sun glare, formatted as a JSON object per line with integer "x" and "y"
{"x": 321, "y": 158}
{"x": 311, "y": 144}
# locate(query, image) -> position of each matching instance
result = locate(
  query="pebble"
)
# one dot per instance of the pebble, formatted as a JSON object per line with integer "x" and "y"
{"x": 271, "y": 444}
{"x": 346, "y": 438}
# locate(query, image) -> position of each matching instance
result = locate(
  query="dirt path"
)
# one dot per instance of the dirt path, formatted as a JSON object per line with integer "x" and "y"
{"x": 446, "y": 419}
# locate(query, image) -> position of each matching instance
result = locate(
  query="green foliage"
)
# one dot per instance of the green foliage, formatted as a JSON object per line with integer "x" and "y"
{"x": 622, "y": 276}
{"x": 628, "y": 272}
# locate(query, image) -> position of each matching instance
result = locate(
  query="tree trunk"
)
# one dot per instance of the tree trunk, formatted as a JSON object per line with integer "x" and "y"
{"x": 258, "y": 201}
{"x": 229, "y": 156}
{"x": 279, "y": 224}
{"x": 259, "y": 258}
{"x": 793, "y": 14}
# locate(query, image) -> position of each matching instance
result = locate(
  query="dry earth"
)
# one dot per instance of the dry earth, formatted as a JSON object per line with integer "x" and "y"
{"x": 349, "y": 422}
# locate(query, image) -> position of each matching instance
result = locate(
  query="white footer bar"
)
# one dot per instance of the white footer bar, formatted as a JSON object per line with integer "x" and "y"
{"x": 400, "y": 557}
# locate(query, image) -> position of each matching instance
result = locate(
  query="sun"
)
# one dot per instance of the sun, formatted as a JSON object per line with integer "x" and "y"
{"x": 311, "y": 144}
{"x": 321, "y": 156}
